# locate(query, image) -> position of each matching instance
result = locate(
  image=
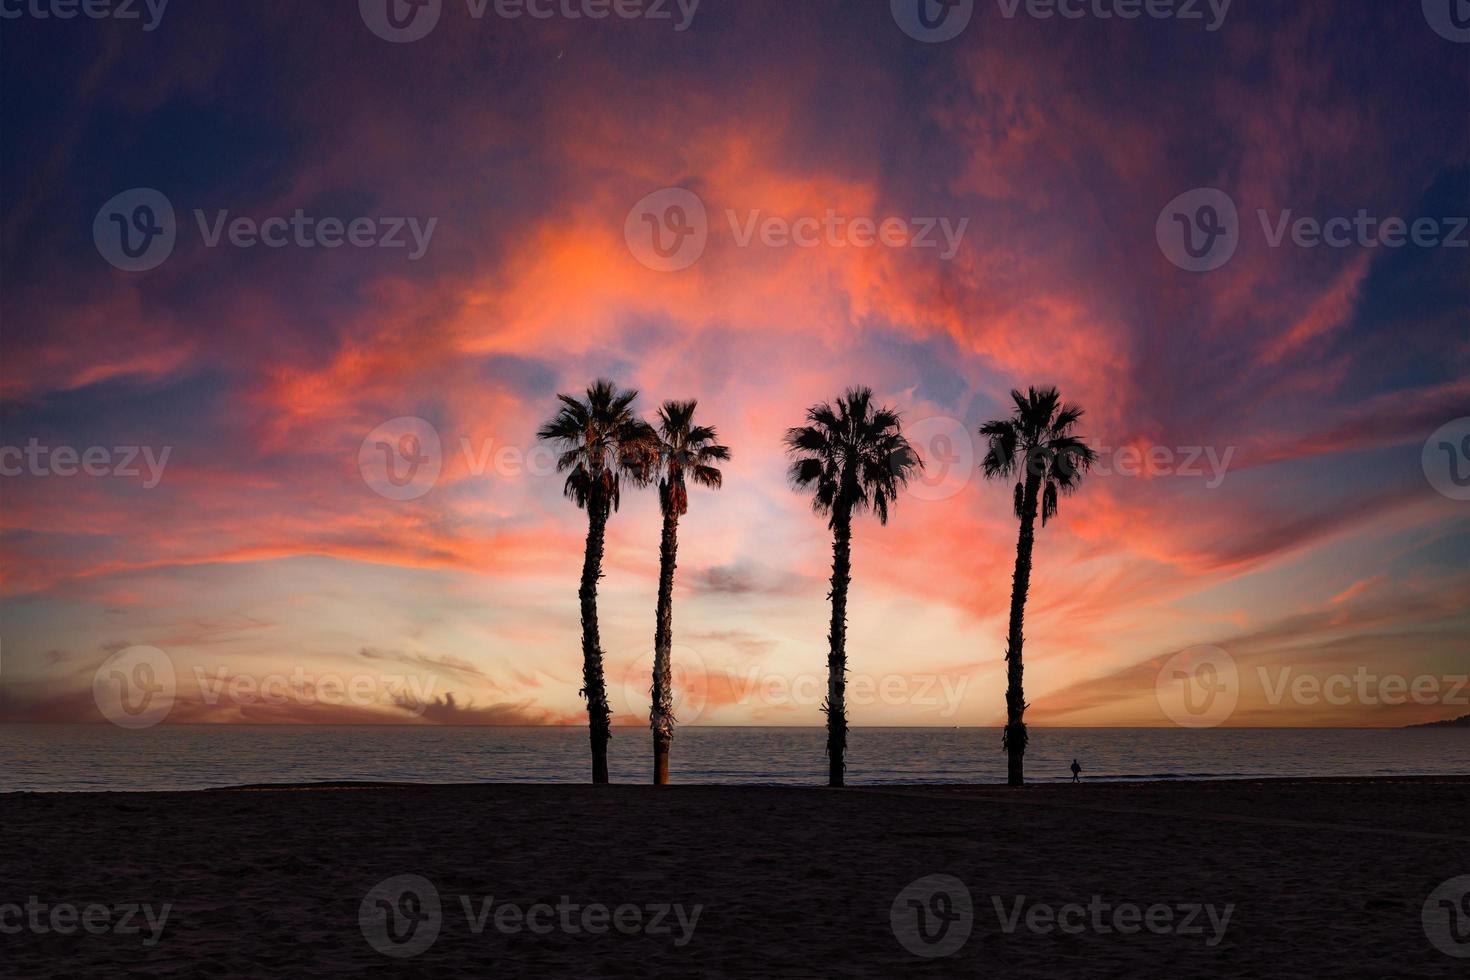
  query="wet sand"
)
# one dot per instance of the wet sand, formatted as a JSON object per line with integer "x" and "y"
{"x": 1235, "y": 879}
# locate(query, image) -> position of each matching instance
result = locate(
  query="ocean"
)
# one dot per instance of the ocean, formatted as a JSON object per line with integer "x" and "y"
{"x": 101, "y": 757}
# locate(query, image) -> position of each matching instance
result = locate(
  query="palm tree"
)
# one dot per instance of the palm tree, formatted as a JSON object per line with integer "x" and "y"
{"x": 602, "y": 442}
{"x": 683, "y": 452}
{"x": 851, "y": 457}
{"x": 1036, "y": 442}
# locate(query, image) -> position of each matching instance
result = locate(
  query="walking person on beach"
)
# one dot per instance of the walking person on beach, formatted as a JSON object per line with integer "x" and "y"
{"x": 1076, "y": 769}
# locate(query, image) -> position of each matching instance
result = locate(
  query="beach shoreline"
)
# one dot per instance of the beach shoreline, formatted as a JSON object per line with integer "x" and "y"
{"x": 1328, "y": 876}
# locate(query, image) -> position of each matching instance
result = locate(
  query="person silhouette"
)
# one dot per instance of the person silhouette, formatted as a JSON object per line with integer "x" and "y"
{"x": 1076, "y": 769}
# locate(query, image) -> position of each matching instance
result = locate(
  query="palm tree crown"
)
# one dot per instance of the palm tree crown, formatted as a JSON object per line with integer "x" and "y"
{"x": 602, "y": 441}
{"x": 1037, "y": 441}
{"x": 851, "y": 457}
{"x": 684, "y": 451}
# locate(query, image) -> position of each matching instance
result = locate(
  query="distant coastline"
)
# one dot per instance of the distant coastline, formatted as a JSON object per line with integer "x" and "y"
{"x": 1461, "y": 722}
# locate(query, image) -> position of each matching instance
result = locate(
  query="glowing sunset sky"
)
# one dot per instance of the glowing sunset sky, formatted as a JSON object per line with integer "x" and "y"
{"x": 262, "y": 550}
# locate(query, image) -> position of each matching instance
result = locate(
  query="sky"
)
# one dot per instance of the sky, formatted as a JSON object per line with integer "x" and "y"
{"x": 1269, "y": 414}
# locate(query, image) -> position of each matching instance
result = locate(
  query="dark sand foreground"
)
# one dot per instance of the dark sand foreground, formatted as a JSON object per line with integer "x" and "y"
{"x": 1322, "y": 878}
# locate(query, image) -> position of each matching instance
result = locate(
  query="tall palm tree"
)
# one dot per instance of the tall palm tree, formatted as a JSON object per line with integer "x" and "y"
{"x": 602, "y": 442}
{"x": 850, "y": 457}
{"x": 1037, "y": 444}
{"x": 683, "y": 452}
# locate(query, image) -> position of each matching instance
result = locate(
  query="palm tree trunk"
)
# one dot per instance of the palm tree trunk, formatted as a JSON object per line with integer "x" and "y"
{"x": 661, "y": 714}
{"x": 836, "y": 706}
{"x": 594, "y": 685}
{"x": 1014, "y": 739}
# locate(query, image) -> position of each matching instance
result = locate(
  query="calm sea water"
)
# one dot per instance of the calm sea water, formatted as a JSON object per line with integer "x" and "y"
{"x": 101, "y": 757}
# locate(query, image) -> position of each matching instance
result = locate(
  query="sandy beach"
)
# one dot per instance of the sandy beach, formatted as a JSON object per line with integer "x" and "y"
{"x": 1235, "y": 879}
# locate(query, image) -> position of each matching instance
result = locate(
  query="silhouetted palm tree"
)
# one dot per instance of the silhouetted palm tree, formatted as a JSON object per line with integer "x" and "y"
{"x": 683, "y": 453}
{"x": 602, "y": 442}
{"x": 1036, "y": 442}
{"x": 851, "y": 457}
